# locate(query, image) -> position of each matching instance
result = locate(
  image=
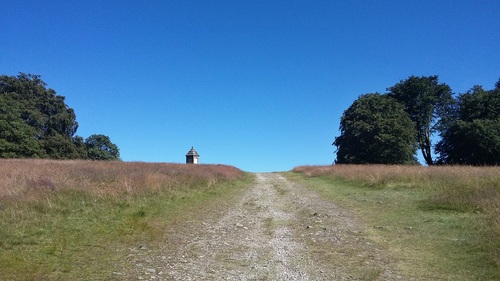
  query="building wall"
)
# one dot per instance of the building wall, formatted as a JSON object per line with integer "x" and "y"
{"x": 191, "y": 160}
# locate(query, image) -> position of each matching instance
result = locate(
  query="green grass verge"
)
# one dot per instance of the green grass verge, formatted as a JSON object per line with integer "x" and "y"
{"x": 427, "y": 239}
{"x": 72, "y": 234}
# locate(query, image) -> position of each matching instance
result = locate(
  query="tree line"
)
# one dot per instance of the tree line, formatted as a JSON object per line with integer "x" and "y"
{"x": 390, "y": 128}
{"x": 35, "y": 122}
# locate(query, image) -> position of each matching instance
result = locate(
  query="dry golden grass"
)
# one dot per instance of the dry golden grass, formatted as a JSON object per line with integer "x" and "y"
{"x": 28, "y": 179}
{"x": 460, "y": 187}
{"x": 381, "y": 174}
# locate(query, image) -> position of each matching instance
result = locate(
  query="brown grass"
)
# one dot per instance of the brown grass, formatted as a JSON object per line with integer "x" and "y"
{"x": 382, "y": 174}
{"x": 468, "y": 188}
{"x": 29, "y": 179}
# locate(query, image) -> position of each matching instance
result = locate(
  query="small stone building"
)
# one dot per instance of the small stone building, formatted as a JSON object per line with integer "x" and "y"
{"x": 192, "y": 156}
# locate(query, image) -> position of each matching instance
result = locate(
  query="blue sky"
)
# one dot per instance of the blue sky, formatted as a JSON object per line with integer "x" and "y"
{"x": 260, "y": 85}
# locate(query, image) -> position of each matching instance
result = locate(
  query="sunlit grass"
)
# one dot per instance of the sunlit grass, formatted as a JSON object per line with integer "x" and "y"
{"x": 442, "y": 222}
{"x": 74, "y": 220}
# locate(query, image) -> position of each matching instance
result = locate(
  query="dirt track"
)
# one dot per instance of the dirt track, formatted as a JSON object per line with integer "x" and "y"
{"x": 276, "y": 230}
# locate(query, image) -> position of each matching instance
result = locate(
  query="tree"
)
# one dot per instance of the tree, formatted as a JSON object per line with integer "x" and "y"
{"x": 474, "y": 137}
{"x": 428, "y": 103}
{"x": 100, "y": 147}
{"x": 36, "y": 122}
{"x": 375, "y": 129}
{"x": 16, "y": 137}
{"x": 51, "y": 122}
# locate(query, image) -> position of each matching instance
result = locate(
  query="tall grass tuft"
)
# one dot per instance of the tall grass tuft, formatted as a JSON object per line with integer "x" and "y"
{"x": 34, "y": 179}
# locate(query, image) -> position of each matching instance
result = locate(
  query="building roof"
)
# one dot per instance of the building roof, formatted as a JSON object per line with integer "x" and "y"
{"x": 192, "y": 152}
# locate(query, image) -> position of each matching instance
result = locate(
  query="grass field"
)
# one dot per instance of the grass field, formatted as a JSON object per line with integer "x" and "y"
{"x": 74, "y": 220}
{"x": 439, "y": 223}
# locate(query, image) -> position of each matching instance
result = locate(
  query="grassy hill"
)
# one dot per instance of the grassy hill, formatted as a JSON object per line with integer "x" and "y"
{"x": 73, "y": 220}
{"x": 440, "y": 223}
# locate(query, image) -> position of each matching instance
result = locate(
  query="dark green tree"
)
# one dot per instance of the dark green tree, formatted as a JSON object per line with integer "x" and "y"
{"x": 36, "y": 122}
{"x": 428, "y": 103}
{"x": 375, "y": 129}
{"x": 100, "y": 147}
{"x": 16, "y": 136}
{"x": 52, "y": 123}
{"x": 474, "y": 137}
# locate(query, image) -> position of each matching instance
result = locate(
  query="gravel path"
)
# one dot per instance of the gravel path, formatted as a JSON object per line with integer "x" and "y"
{"x": 276, "y": 230}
